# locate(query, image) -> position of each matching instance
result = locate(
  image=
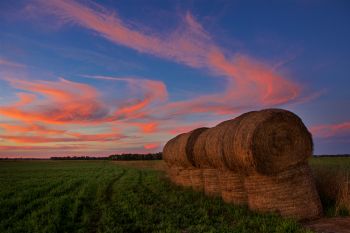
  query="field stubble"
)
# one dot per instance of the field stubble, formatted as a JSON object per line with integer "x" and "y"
{"x": 102, "y": 196}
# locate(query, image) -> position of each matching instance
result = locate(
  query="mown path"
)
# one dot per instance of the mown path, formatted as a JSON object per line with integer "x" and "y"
{"x": 104, "y": 201}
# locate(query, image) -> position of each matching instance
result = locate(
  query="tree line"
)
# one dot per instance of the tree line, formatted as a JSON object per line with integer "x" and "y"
{"x": 124, "y": 157}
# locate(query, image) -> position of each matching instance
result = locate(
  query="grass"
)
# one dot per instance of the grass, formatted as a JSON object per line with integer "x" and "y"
{"x": 101, "y": 196}
{"x": 333, "y": 183}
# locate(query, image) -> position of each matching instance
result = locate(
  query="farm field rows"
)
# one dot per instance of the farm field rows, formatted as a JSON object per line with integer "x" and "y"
{"x": 102, "y": 196}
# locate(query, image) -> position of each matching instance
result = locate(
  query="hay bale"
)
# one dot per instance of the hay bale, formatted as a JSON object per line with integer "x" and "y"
{"x": 197, "y": 180}
{"x": 191, "y": 141}
{"x": 173, "y": 173}
{"x": 200, "y": 158}
{"x": 290, "y": 193}
{"x": 184, "y": 177}
{"x": 232, "y": 187}
{"x": 178, "y": 154}
{"x": 228, "y": 135}
{"x": 214, "y": 145}
{"x": 179, "y": 150}
{"x": 211, "y": 182}
{"x": 268, "y": 142}
{"x": 170, "y": 152}
{"x": 231, "y": 182}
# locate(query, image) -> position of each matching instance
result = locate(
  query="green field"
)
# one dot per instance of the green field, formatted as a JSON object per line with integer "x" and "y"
{"x": 333, "y": 183}
{"x": 100, "y": 196}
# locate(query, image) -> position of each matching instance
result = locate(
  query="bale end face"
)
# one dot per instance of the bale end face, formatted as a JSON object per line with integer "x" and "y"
{"x": 270, "y": 141}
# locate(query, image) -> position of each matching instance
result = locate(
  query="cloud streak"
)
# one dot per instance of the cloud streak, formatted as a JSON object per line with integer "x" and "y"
{"x": 58, "y": 102}
{"x": 77, "y": 138}
{"x": 8, "y": 63}
{"x": 191, "y": 45}
{"x": 331, "y": 130}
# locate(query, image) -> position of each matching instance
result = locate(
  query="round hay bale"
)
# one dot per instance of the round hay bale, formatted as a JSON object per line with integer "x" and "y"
{"x": 211, "y": 182}
{"x": 170, "y": 152}
{"x": 232, "y": 187}
{"x": 214, "y": 144}
{"x": 228, "y": 137}
{"x": 197, "y": 179}
{"x": 267, "y": 141}
{"x": 291, "y": 193}
{"x": 179, "y": 150}
{"x": 191, "y": 141}
{"x": 173, "y": 174}
{"x": 184, "y": 177}
{"x": 200, "y": 158}
{"x": 231, "y": 183}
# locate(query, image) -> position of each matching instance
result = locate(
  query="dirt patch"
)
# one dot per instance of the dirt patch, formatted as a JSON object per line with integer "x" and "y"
{"x": 330, "y": 225}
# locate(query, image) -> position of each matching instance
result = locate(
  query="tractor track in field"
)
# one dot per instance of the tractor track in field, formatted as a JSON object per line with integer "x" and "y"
{"x": 109, "y": 189}
{"x": 106, "y": 199}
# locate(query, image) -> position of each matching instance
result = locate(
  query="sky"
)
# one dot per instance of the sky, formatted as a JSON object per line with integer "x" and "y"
{"x": 104, "y": 77}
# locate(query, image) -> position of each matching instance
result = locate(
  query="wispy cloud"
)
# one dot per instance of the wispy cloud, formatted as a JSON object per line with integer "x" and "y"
{"x": 248, "y": 80}
{"x": 331, "y": 130}
{"x": 6, "y": 62}
{"x": 57, "y": 102}
{"x": 76, "y": 137}
{"x": 151, "y": 146}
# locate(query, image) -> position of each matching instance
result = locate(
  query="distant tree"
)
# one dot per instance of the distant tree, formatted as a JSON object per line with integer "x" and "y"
{"x": 154, "y": 156}
{"x": 150, "y": 156}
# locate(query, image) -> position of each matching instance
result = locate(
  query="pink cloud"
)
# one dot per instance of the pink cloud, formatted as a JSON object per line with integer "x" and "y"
{"x": 153, "y": 93}
{"x": 149, "y": 127}
{"x": 181, "y": 45}
{"x": 30, "y": 128}
{"x": 331, "y": 130}
{"x": 249, "y": 81}
{"x": 151, "y": 146}
{"x": 39, "y": 148}
{"x": 57, "y": 102}
{"x": 77, "y": 138}
{"x": 5, "y": 62}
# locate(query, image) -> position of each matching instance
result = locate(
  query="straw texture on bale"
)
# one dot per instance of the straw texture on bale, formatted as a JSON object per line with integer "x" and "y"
{"x": 197, "y": 180}
{"x": 184, "y": 177}
{"x": 211, "y": 182}
{"x": 170, "y": 152}
{"x": 173, "y": 173}
{"x": 232, "y": 187}
{"x": 179, "y": 150}
{"x": 228, "y": 136}
{"x": 268, "y": 142}
{"x": 191, "y": 141}
{"x": 200, "y": 158}
{"x": 214, "y": 145}
{"x": 291, "y": 193}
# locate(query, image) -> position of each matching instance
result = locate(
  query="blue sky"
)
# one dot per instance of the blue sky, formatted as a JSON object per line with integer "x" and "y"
{"x": 141, "y": 72}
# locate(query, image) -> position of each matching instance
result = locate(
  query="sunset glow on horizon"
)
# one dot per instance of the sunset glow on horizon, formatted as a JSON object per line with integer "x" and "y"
{"x": 99, "y": 78}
